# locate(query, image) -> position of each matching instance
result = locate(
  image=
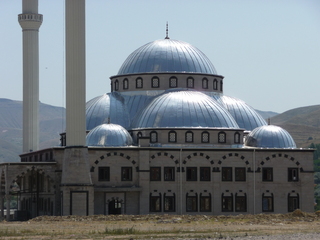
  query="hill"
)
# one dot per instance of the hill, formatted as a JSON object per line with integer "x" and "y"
{"x": 52, "y": 122}
{"x": 302, "y": 123}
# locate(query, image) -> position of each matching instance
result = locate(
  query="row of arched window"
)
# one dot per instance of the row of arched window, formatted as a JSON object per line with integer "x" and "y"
{"x": 189, "y": 137}
{"x": 173, "y": 83}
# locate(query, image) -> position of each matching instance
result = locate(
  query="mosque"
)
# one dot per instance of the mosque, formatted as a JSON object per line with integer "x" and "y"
{"x": 165, "y": 140}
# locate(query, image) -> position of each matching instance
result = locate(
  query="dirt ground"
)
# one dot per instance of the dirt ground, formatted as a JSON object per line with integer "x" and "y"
{"x": 165, "y": 227}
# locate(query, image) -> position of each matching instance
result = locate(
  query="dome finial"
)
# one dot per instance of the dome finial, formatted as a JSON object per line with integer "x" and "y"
{"x": 167, "y": 32}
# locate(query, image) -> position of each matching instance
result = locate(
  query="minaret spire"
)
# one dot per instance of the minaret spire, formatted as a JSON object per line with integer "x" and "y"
{"x": 167, "y": 32}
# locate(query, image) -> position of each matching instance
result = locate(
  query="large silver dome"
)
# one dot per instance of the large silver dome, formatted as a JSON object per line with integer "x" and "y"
{"x": 246, "y": 117}
{"x": 184, "y": 109}
{"x": 269, "y": 136}
{"x": 167, "y": 55}
{"x": 108, "y": 107}
{"x": 108, "y": 135}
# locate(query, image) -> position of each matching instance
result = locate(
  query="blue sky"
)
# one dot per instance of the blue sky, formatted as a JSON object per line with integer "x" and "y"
{"x": 267, "y": 50}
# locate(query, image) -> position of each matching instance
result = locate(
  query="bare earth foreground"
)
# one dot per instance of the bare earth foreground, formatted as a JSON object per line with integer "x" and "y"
{"x": 296, "y": 225}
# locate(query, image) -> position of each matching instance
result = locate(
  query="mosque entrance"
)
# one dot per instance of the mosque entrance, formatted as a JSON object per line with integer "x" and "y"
{"x": 115, "y": 207}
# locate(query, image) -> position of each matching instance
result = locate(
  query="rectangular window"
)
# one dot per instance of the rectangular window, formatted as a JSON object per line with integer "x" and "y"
{"x": 241, "y": 203}
{"x": 168, "y": 173}
{"x": 227, "y": 204}
{"x": 192, "y": 204}
{"x": 155, "y": 204}
{"x": 205, "y": 174}
{"x": 191, "y": 174}
{"x": 240, "y": 174}
{"x": 104, "y": 174}
{"x": 267, "y": 174}
{"x": 169, "y": 203}
{"x": 293, "y": 174}
{"x": 226, "y": 174}
{"x": 126, "y": 174}
{"x": 155, "y": 174}
{"x": 267, "y": 204}
{"x": 205, "y": 204}
{"x": 293, "y": 203}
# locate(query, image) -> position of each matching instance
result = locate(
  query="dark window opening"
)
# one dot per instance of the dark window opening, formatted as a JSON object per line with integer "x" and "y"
{"x": 169, "y": 203}
{"x": 227, "y": 204}
{"x": 192, "y": 204}
{"x": 168, "y": 173}
{"x": 155, "y": 204}
{"x": 240, "y": 174}
{"x": 126, "y": 174}
{"x": 241, "y": 203}
{"x": 293, "y": 203}
{"x": 191, "y": 174}
{"x": 226, "y": 174}
{"x": 155, "y": 174}
{"x": 104, "y": 174}
{"x": 205, "y": 174}
{"x": 116, "y": 85}
{"x": 125, "y": 84}
{"x": 293, "y": 174}
{"x": 215, "y": 84}
{"x": 267, "y": 203}
{"x": 205, "y": 204}
{"x": 267, "y": 174}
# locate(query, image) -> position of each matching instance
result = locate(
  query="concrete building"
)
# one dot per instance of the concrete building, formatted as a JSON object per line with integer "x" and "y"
{"x": 165, "y": 140}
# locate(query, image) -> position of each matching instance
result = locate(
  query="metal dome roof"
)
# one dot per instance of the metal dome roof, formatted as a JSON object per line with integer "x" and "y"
{"x": 245, "y": 115}
{"x": 107, "y": 107}
{"x": 108, "y": 135}
{"x": 184, "y": 109}
{"x": 167, "y": 55}
{"x": 269, "y": 136}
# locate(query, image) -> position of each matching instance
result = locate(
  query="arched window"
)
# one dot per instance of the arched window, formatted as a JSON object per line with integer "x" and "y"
{"x": 190, "y": 82}
{"x": 155, "y": 82}
{"x": 189, "y": 136}
{"x": 205, "y": 83}
{"x": 267, "y": 202}
{"x": 173, "y": 82}
{"x": 172, "y": 137}
{"x": 125, "y": 84}
{"x": 215, "y": 84}
{"x": 221, "y": 86}
{"x": 116, "y": 85}
{"x": 139, "y": 135}
{"x": 237, "y": 137}
{"x": 293, "y": 202}
{"x": 240, "y": 203}
{"x": 222, "y": 137}
{"x": 205, "y": 137}
{"x": 111, "y": 86}
{"x": 139, "y": 83}
{"x": 153, "y": 137}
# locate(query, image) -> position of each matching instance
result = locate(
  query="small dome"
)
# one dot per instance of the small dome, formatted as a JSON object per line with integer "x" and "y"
{"x": 245, "y": 115}
{"x": 105, "y": 108}
{"x": 269, "y": 136}
{"x": 106, "y": 135}
{"x": 167, "y": 55}
{"x": 184, "y": 109}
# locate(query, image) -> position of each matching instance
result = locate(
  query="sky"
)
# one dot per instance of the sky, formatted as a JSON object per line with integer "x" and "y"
{"x": 267, "y": 50}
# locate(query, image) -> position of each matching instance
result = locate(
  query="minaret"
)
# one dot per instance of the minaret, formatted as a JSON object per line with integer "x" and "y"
{"x": 30, "y": 22}
{"x": 76, "y": 183}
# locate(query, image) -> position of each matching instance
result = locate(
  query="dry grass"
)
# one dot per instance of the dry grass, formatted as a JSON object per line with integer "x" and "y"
{"x": 159, "y": 226}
